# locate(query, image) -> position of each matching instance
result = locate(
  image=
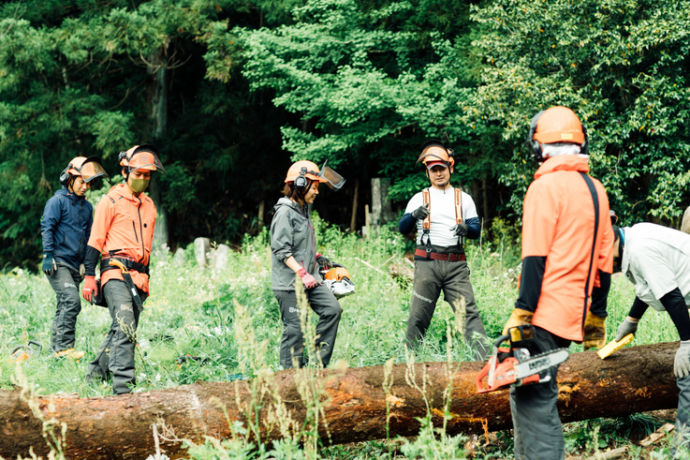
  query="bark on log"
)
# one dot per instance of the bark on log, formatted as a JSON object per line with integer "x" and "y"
{"x": 354, "y": 404}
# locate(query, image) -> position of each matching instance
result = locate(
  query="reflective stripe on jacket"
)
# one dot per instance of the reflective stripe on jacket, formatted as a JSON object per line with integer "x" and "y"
{"x": 123, "y": 226}
{"x": 558, "y": 224}
{"x": 65, "y": 227}
{"x": 292, "y": 234}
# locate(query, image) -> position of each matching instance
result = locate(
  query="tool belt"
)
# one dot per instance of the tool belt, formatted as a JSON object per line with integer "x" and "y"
{"x": 426, "y": 254}
{"x": 124, "y": 265}
{"x": 130, "y": 264}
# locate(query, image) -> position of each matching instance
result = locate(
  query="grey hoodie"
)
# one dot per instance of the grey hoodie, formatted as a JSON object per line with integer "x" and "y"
{"x": 292, "y": 234}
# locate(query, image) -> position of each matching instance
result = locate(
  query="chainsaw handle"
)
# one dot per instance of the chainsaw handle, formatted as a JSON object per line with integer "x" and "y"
{"x": 501, "y": 339}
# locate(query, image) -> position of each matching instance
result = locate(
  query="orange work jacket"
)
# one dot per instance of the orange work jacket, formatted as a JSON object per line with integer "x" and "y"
{"x": 123, "y": 227}
{"x": 558, "y": 223}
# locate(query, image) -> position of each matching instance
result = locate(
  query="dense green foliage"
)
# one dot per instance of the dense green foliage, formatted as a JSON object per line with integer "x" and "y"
{"x": 230, "y": 320}
{"x": 231, "y": 90}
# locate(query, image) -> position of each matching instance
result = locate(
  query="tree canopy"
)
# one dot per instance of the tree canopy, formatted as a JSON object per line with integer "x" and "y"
{"x": 231, "y": 91}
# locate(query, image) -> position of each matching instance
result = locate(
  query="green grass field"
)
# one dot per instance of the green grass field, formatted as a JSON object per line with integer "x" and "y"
{"x": 194, "y": 311}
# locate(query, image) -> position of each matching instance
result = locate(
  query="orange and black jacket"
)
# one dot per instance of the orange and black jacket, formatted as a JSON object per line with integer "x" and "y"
{"x": 122, "y": 228}
{"x": 562, "y": 262}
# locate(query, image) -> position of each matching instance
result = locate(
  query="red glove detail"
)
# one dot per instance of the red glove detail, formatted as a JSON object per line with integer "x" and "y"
{"x": 308, "y": 279}
{"x": 89, "y": 288}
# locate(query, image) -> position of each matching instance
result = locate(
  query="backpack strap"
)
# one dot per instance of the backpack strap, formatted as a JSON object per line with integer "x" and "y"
{"x": 595, "y": 201}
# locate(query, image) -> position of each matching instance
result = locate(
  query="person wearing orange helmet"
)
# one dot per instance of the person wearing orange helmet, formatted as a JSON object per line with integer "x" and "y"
{"x": 567, "y": 260}
{"x": 293, "y": 248}
{"x": 65, "y": 229}
{"x": 443, "y": 217}
{"x": 122, "y": 236}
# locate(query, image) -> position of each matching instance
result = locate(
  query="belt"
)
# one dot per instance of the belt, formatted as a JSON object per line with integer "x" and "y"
{"x": 130, "y": 264}
{"x": 439, "y": 255}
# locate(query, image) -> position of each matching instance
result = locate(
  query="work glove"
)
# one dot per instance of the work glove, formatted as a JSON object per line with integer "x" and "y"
{"x": 49, "y": 265}
{"x": 90, "y": 288}
{"x": 681, "y": 364}
{"x": 421, "y": 212}
{"x": 518, "y": 317}
{"x": 626, "y": 328}
{"x": 307, "y": 279}
{"x": 595, "y": 331}
{"x": 460, "y": 230}
{"x": 324, "y": 263}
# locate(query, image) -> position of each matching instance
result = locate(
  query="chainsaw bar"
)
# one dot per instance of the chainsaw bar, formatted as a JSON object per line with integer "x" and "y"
{"x": 540, "y": 363}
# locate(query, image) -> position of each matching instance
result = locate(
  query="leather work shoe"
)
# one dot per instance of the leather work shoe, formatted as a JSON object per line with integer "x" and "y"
{"x": 70, "y": 353}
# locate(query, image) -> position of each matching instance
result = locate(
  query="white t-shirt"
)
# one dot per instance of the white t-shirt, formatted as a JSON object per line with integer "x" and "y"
{"x": 657, "y": 260}
{"x": 442, "y": 206}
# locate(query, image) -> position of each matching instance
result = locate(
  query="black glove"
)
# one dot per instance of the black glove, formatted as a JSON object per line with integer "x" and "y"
{"x": 460, "y": 229}
{"x": 420, "y": 213}
{"x": 324, "y": 263}
{"x": 49, "y": 266}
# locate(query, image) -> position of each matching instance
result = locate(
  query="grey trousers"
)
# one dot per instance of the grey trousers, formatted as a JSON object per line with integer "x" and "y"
{"x": 325, "y": 305}
{"x": 537, "y": 430}
{"x": 432, "y": 276}
{"x": 65, "y": 283}
{"x": 682, "y": 431}
{"x": 116, "y": 355}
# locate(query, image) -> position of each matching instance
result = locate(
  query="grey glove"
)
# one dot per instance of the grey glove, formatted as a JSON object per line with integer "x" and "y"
{"x": 460, "y": 229}
{"x": 626, "y": 328}
{"x": 681, "y": 364}
{"x": 420, "y": 213}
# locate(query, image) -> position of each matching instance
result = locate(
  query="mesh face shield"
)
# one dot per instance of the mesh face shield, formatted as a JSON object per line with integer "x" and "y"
{"x": 91, "y": 169}
{"x": 145, "y": 160}
{"x": 334, "y": 180}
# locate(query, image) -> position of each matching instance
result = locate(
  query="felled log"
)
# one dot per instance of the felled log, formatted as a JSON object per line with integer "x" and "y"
{"x": 356, "y": 405}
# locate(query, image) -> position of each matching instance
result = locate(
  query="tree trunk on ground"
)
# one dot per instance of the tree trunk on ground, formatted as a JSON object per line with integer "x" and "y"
{"x": 353, "y": 403}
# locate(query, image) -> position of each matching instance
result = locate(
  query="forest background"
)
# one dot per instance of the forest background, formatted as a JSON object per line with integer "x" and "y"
{"x": 231, "y": 91}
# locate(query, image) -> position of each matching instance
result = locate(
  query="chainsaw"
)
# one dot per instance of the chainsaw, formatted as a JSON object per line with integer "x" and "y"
{"x": 515, "y": 365}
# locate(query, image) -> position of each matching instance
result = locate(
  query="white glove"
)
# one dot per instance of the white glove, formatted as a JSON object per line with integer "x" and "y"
{"x": 681, "y": 364}
{"x": 626, "y": 328}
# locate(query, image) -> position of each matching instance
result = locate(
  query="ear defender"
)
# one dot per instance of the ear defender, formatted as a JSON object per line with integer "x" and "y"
{"x": 301, "y": 181}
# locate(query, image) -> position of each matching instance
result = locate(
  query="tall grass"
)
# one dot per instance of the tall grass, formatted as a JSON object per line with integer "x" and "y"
{"x": 220, "y": 324}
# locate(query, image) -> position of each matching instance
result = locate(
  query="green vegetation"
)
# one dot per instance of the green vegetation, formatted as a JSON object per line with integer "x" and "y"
{"x": 230, "y": 319}
{"x": 232, "y": 90}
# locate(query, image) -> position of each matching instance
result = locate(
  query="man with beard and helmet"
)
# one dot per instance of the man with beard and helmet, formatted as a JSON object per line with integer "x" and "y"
{"x": 293, "y": 247}
{"x": 122, "y": 236}
{"x": 65, "y": 229}
{"x": 656, "y": 260}
{"x": 443, "y": 216}
{"x": 567, "y": 256}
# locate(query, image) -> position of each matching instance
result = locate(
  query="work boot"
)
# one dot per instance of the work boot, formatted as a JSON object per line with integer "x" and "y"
{"x": 70, "y": 353}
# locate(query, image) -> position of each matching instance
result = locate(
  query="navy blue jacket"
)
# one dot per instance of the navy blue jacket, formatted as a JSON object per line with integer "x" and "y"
{"x": 66, "y": 227}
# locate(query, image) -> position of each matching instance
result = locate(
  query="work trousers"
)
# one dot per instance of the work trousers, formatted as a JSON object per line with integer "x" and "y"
{"x": 537, "y": 430}
{"x": 116, "y": 355}
{"x": 432, "y": 276}
{"x": 324, "y": 304}
{"x": 65, "y": 283}
{"x": 682, "y": 431}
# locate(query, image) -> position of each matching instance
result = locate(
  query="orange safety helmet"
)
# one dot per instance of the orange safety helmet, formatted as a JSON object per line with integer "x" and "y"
{"x": 557, "y": 124}
{"x": 88, "y": 168}
{"x": 141, "y": 157}
{"x": 436, "y": 152}
{"x": 301, "y": 172}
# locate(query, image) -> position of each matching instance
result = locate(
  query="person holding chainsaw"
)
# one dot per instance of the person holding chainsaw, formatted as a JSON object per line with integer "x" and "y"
{"x": 656, "y": 260}
{"x": 65, "y": 229}
{"x": 567, "y": 256}
{"x": 443, "y": 217}
{"x": 122, "y": 235}
{"x": 293, "y": 248}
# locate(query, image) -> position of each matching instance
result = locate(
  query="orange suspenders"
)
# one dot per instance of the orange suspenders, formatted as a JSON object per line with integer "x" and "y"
{"x": 426, "y": 223}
